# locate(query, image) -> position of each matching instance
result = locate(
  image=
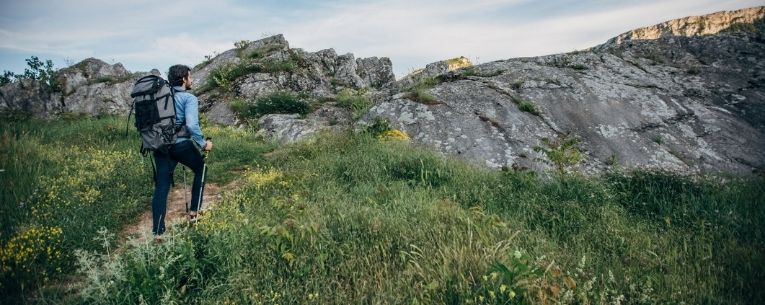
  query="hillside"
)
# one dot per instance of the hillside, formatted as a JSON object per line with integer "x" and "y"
{"x": 685, "y": 95}
{"x": 560, "y": 179}
{"x": 356, "y": 218}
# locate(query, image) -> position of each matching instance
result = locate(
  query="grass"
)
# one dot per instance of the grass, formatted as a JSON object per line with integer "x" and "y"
{"x": 526, "y": 106}
{"x": 345, "y": 219}
{"x": 59, "y": 188}
{"x": 420, "y": 92}
{"x": 354, "y": 100}
{"x": 284, "y": 102}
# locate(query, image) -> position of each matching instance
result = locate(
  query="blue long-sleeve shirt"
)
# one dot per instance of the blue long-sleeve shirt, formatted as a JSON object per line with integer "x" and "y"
{"x": 187, "y": 112}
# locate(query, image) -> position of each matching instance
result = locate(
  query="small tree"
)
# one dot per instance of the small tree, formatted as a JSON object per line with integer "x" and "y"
{"x": 562, "y": 152}
{"x": 7, "y": 78}
{"x": 37, "y": 70}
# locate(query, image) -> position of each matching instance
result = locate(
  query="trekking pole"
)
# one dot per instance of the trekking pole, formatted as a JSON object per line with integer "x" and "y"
{"x": 204, "y": 180}
{"x": 185, "y": 191}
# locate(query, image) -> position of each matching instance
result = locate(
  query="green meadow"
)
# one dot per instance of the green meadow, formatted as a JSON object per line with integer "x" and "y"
{"x": 351, "y": 218}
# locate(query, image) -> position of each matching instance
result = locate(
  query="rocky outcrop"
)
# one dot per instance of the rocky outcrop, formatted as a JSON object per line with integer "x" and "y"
{"x": 90, "y": 87}
{"x": 272, "y": 66}
{"x": 686, "y": 104}
{"x": 30, "y": 96}
{"x": 288, "y": 128}
{"x": 433, "y": 70}
{"x": 692, "y": 26}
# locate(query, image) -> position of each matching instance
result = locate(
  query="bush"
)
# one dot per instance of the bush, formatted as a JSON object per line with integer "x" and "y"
{"x": 378, "y": 127}
{"x": 223, "y": 76}
{"x": 529, "y": 107}
{"x": 525, "y": 106}
{"x": 274, "y": 66}
{"x": 280, "y": 102}
{"x": 37, "y": 70}
{"x": 421, "y": 95}
{"x": 355, "y": 101}
{"x": 562, "y": 152}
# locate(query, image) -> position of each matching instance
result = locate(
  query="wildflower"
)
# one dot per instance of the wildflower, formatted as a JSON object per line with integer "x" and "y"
{"x": 517, "y": 254}
{"x": 394, "y": 134}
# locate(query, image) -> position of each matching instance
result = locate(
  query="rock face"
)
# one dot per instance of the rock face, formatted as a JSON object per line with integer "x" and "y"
{"x": 276, "y": 67}
{"x": 91, "y": 87}
{"x": 686, "y": 104}
{"x": 287, "y": 128}
{"x": 433, "y": 70}
{"x": 30, "y": 96}
{"x": 692, "y": 26}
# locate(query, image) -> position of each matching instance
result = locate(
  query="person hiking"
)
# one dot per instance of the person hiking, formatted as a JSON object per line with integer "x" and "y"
{"x": 184, "y": 150}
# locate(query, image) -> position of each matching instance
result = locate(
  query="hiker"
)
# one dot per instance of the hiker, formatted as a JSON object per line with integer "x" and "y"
{"x": 184, "y": 150}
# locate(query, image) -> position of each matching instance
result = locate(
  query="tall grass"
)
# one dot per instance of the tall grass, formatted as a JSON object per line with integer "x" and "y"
{"x": 346, "y": 218}
{"x": 64, "y": 180}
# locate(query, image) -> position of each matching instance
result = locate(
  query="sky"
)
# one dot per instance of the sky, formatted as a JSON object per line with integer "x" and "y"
{"x": 146, "y": 34}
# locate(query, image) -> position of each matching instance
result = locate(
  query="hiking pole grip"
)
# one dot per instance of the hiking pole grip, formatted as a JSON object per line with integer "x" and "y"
{"x": 205, "y": 152}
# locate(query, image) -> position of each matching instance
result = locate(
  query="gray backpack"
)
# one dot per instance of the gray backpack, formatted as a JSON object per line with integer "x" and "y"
{"x": 154, "y": 104}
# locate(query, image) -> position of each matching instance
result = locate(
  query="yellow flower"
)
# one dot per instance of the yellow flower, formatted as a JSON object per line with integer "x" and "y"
{"x": 394, "y": 134}
{"x": 262, "y": 178}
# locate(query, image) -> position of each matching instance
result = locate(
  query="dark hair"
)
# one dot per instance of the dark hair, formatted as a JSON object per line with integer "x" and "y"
{"x": 176, "y": 74}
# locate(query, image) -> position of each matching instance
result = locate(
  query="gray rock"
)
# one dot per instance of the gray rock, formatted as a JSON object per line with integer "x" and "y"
{"x": 90, "y": 86}
{"x": 684, "y": 104}
{"x": 433, "y": 70}
{"x": 288, "y": 128}
{"x": 691, "y": 26}
{"x": 30, "y": 96}
{"x": 375, "y": 72}
{"x": 345, "y": 73}
{"x": 221, "y": 113}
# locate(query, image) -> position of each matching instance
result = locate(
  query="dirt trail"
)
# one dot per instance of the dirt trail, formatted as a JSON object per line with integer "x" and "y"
{"x": 176, "y": 210}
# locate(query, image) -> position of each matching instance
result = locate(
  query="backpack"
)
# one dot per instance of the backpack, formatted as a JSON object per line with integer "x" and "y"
{"x": 154, "y": 104}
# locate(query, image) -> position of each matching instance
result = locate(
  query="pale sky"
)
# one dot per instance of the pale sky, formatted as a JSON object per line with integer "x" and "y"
{"x": 144, "y": 34}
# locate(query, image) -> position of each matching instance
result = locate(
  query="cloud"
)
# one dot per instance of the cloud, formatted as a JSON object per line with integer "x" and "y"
{"x": 416, "y": 33}
{"x": 144, "y": 34}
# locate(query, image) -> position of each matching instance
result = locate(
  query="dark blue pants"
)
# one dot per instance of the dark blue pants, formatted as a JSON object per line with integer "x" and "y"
{"x": 187, "y": 154}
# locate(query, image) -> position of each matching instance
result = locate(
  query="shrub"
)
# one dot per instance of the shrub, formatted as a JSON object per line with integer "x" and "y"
{"x": 421, "y": 95}
{"x": 240, "y": 46}
{"x": 280, "y": 102}
{"x": 355, "y": 101}
{"x": 529, "y": 107}
{"x": 37, "y": 70}
{"x": 562, "y": 152}
{"x": 7, "y": 78}
{"x": 240, "y": 107}
{"x": 525, "y": 106}
{"x": 378, "y": 127}
{"x": 274, "y": 66}
{"x": 223, "y": 76}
